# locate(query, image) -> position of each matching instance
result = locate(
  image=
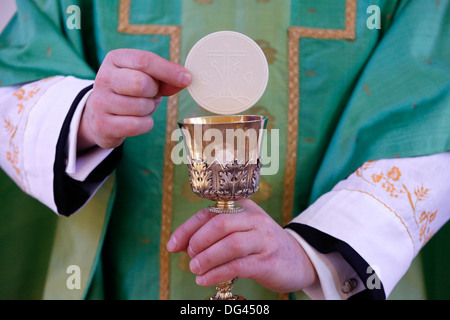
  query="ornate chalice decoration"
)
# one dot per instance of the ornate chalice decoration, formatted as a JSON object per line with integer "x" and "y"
{"x": 224, "y": 164}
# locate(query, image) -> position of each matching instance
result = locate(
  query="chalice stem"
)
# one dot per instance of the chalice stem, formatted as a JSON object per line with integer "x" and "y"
{"x": 224, "y": 291}
{"x": 225, "y": 206}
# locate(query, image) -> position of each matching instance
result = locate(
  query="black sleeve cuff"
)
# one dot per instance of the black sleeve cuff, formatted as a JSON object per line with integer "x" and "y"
{"x": 69, "y": 194}
{"x": 324, "y": 243}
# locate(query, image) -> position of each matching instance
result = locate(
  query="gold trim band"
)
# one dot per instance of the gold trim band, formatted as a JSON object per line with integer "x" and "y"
{"x": 295, "y": 34}
{"x": 171, "y": 124}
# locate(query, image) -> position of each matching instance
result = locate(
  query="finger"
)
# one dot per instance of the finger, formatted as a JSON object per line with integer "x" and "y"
{"x": 117, "y": 127}
{"x": 180, "y": 238}
{"x": 131, "y": 106}
{"x": 249, "y": 205}
{"x": 153, "y": 65}
{"x": 245, "y": 267}
{"x": 216, "y": 229}
{"x": 134, "y": 83}
{"x": 234, "y": 246}
{"x": 167, "y": 90}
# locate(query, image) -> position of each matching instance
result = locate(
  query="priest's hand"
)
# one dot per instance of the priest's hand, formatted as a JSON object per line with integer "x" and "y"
{"x": 249, "y": 244}
{"x": 127, "y": 90}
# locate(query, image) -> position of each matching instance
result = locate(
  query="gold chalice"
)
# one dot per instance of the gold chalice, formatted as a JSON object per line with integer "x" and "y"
{"x": 224, "y": 164}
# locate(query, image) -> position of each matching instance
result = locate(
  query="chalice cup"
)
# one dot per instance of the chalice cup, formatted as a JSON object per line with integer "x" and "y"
{"x": 224, "y": 162}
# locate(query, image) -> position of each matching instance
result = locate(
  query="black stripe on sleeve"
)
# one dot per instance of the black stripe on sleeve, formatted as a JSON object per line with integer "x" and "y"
{"x": 70, "y": 195}
{"x": 324, "y": 243}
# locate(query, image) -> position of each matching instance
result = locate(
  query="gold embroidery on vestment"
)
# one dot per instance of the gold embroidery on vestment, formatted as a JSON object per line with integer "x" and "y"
{"x": 392, "y": 184}
{"x": 26, "y": 98}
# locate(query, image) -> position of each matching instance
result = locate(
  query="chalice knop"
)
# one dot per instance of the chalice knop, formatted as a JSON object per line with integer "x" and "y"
{"x": 224, "y": 162}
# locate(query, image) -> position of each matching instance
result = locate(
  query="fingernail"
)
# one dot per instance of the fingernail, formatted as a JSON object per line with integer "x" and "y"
{"x": 194, "y": 266}
{"x": 172, "y": 244}
{"x": 190, "y": 252}
{"x": 200, "y": 280}
{"x": 185, "y": 78}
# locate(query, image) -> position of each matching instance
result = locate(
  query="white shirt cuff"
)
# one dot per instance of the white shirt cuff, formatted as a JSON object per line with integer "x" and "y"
{"x": 337, "y": 279}
{"x": 80, "y": 166}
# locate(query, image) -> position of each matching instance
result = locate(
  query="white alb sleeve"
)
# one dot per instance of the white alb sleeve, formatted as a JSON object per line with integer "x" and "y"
{"x": 32, "y": 115}
{"x": 385, "y": 211}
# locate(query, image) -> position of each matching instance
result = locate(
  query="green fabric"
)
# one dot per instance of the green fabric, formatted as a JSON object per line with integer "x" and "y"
{"x": 400, "y": 104}
{"x": 245, "y": 17}
{"x": 26, "y": 237}
{"x": 408, "y": 117}
{"x": 436, "y": 261}
{"x": 23, "y": 41}
{"x": 329, "y": 70}
{"x": 384, "y": 94}
{"x": 131, "y": 252}
{"x": 77, "y": 242}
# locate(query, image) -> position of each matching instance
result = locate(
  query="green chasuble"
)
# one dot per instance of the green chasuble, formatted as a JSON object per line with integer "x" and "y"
{"x": 340, "y": 93}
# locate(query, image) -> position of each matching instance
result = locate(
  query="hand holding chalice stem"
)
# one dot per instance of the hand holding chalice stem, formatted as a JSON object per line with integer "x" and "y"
{"x": 224, "y": 165}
